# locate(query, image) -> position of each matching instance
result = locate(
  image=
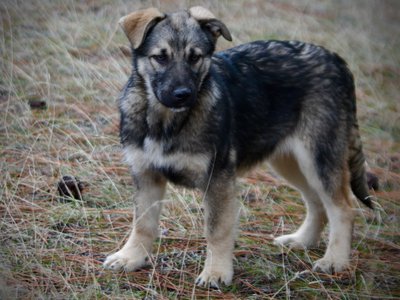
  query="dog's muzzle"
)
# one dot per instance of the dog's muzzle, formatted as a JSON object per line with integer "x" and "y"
{"x": 181, "y": 94}
{"x": 179, "y": 97}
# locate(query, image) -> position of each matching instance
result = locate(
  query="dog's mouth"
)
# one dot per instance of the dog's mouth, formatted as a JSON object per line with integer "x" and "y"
{"x": 181, "y": 109}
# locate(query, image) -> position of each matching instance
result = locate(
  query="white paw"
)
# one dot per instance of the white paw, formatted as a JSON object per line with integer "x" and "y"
{"x": 126, "y": 259}
{"x": 214, "y": 275}
{"x": 330, "y": 264}
{"x": 294, "y": 241}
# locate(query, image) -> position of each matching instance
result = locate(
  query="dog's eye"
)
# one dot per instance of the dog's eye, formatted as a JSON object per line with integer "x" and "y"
{"x": 194, "y": 58}
{"x": 161, "y": 58}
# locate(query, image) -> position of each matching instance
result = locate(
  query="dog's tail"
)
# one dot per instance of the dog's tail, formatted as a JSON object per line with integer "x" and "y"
{"x": 358, "y": 173}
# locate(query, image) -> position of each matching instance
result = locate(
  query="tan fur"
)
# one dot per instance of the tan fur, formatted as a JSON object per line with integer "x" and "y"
{"x": 202, "y": 14}
{"x": 308, "y": 234}
{"x": 221, "y": 214}
{"x": 346, "y": 191}
{"x": 292, "y": 161}
{"x": 339, "y": 209}
{"x": 136, "y": 24}
{"x": 137, "y": 249}
{"x": 341, "y": 218}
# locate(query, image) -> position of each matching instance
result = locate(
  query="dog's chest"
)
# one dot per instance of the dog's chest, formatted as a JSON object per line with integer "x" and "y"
{"x": 181, "y": 167}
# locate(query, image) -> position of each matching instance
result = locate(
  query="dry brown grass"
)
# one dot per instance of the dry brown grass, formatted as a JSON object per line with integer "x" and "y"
{"x": 68, "y": 54}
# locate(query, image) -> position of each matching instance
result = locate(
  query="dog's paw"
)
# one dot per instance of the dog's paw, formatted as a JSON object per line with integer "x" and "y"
{"x": 294, "y": 241}
{"x": 331, "y": 265}
{"x": 214, "y": 276}
{"x": 125, "y": 260}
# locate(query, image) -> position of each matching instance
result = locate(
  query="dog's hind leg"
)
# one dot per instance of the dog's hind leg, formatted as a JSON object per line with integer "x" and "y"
{"x": 136, "y": 251}
{"x": 331, "y": 183}
{"x": 341, "y": 218}
{"x": 221, "y": 214}
{"x": 309, "y": 232}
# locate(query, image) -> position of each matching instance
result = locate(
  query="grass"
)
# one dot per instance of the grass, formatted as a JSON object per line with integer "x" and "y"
{"x": 67, "y": 53}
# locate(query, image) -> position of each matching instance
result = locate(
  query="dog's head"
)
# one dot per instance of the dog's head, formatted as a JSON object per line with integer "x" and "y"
{"x": 172, "y": 52}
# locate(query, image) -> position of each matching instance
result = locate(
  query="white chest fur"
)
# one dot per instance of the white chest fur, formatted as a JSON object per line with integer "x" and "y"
{"x": 152, "y": 155}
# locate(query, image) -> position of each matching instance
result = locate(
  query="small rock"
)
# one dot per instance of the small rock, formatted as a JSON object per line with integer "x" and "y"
{"x": 373, "y": 181}
{"x": 4, "y": 94}
{"x": 37, "y": 104}
{"x": 70, "y": 187}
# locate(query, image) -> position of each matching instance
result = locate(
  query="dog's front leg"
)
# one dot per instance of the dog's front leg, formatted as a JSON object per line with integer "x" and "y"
{"x": 134, "y": 254}
{"x": 221, "y": 213}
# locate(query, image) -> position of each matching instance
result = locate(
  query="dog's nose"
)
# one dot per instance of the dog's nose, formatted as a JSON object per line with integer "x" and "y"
{"x": 182, "y": 93}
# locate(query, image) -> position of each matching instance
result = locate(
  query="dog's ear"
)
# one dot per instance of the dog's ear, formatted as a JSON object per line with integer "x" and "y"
{"x": 208, "y": 20}
{"x": 137, "y": 24}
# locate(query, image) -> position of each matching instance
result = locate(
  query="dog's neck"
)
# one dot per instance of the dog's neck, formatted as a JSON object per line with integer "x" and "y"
{"x": 163, "y": 122}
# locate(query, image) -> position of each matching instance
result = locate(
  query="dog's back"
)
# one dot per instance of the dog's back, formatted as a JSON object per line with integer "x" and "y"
{"x": 292, "y": 89}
